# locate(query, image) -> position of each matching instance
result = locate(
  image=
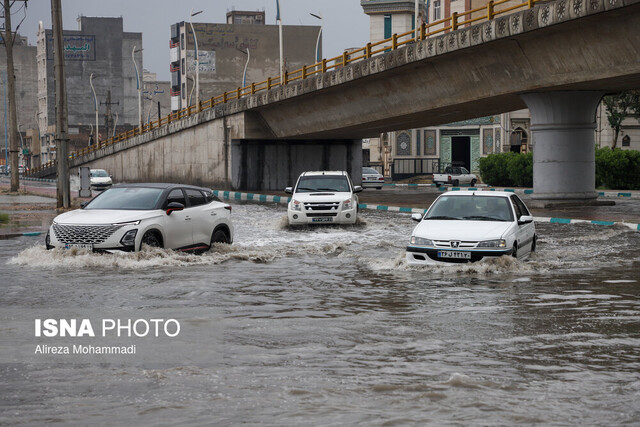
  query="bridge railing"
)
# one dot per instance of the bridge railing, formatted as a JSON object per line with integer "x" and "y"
{"x": 451, "y": 23}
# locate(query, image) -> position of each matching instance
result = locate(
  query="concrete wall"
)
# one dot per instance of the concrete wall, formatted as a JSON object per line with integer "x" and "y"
{"x": 273, "y": 165}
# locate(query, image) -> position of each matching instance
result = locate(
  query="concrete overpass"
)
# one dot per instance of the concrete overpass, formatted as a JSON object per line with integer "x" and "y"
{"x": 557, "y": 58}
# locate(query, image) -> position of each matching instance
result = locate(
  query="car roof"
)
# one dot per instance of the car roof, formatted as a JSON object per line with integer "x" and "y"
{"x": 312, "y": 173}
{"x": 478, "y": 193}
{"x": 160, "y": 185}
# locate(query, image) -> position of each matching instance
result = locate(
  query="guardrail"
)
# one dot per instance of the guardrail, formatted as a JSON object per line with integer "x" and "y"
{"x": 394, "y": 42}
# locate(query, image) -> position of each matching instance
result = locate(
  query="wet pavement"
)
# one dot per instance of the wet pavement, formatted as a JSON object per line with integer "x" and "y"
{"x": 330, "y": 326}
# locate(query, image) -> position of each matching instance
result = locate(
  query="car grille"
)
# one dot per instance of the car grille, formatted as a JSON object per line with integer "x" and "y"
{"x": 319, "y": 214}
{"x": 321, "y": 206}
{"x": 91, "y": 234}
{"x": 447, "y": 244}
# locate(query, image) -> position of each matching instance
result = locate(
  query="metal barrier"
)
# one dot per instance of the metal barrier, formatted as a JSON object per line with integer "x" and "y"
{"x": 396, "y": 41}
{"x": 406, "y": 168}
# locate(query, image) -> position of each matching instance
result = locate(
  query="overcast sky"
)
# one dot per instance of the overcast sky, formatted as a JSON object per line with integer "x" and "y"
{"x": 344, "y": 23}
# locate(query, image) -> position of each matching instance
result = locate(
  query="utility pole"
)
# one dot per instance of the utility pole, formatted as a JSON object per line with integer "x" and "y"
{"x": 63, "y": 193}
{"x": 108, "y": 116}
{"x": 8, "y": 38}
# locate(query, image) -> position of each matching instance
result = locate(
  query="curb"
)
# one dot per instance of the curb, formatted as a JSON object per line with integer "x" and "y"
{"x": 627, "y": 195}
{"x": 232, "y": 195}
{"x": 14, "y": 235}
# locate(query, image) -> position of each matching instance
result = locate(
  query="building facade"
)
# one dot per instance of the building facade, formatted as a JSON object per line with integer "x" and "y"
{"x": 25, "y": 67}
{"x": 225, "y": 51}
{"x": 100, "y": 48}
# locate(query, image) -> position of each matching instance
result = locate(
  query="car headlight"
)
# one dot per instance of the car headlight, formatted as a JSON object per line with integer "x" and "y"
{"x": 129, "y": 238}
{"x": 421, "y": 241}
{"x": 128, "y": 223}
{"x": 346, "y": 205}
{"x": 296, "y": 205}
{"x": 500, "y": 243}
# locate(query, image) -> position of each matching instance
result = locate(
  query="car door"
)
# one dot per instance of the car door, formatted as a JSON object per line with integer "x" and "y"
{"x": 178, "y": 227}
{"x": 203, "y": 215}
{"x": 525, "y": 232}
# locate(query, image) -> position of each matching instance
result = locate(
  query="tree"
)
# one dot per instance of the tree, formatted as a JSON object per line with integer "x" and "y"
{"x": 619, "y": 107}
{"x": 8, "y": 39}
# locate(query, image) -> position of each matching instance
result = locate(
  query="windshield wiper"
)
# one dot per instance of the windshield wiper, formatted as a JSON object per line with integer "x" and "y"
{"x": 483, "y": 218}
{"x": 442, "y": 217}
{"x": 328, "y": 189}
{"x": 306, "y": 188}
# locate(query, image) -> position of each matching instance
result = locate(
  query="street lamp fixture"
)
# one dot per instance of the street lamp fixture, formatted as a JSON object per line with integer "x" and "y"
{"x": 138, "y": 85}
{"x": 195, "y": 52}
{"x": 318, "y": 16}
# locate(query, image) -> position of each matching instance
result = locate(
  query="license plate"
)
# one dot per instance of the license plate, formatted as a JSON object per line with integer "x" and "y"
{"x": 454, "y": 254}
{"x": 87, "y": 246}
{"x": 325, "y": 219}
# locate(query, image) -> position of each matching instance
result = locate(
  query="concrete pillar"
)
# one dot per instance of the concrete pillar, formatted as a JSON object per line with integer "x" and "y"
{"x": 562, "y": 126}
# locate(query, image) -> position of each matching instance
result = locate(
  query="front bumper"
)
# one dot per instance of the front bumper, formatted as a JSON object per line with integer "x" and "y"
{"x": 348, "y": 216}
{"x": 418, "y": 255}
{"x": 111, "y": 243}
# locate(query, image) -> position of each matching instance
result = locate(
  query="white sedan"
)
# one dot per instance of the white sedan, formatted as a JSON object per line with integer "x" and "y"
{"x": 468, "y": 226}
{"x": 125, "y": 217}
{"x": 371, "y": 178}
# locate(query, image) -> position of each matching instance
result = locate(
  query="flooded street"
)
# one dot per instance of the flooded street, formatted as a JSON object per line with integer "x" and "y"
{"x": 330, "y": 326}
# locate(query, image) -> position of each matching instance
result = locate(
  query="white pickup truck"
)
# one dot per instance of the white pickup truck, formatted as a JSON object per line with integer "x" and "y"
{"x": 455, "y": 176}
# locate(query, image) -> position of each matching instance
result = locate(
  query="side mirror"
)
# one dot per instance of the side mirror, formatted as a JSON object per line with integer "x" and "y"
{"x": 416, "y": 217}
{"x": 357, "y": 189}
{"x": 83, "y": 204}
{"x": 525, "y": 219}
{"x": 174, "y": 206}
{"x": 288, "y": 190}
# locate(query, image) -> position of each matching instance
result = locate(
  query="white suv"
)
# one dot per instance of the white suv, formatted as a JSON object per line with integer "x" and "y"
{"x": 323, "y": 198}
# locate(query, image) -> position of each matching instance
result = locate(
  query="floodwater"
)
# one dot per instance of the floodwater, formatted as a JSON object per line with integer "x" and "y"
{"x": 330, "y": 326}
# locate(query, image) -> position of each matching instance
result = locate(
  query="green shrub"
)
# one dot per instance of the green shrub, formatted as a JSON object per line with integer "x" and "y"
{"x": 507, "y": 169}
{"x": 617, "y": 169}
{"x": 4, "y": 218}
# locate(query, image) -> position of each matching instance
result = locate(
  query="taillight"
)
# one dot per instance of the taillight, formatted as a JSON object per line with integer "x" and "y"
{"x": 228, "y": 208}
{"x": 381, "y": 178}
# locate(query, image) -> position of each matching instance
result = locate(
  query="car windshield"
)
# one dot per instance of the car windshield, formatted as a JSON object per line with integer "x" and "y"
{"x": 475, "y": 208}
{"x": 370, "y": 171}
{"x": 127, "y": 198}
{"x": 313, "y": 183}
{"x": 99, "y": 173}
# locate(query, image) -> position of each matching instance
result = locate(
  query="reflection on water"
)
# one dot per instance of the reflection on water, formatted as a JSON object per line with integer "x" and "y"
{"x": 329, "y": 325}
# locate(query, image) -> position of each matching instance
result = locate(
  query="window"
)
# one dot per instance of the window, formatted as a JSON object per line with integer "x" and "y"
{"x": 521, "y": 209}
{"x": 387, "y": 26}
{"x": 626, "y": 141}
{"x": 182, "y": 41}
{"x": 436, "y": 10}
{"x": 176, "y": 196}
{"x": 196, "y": 198}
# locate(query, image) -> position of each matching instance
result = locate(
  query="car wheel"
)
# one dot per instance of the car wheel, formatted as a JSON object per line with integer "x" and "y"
{"x": 473, "y": 182}
{"x": 515, "y": 250}
{"x": 378, "y": 188}
{"x": 456, "y": 183}
{"x": 219, "y": 236}
{"x": 534, "y": 243}
{"x": 152, "y": 239}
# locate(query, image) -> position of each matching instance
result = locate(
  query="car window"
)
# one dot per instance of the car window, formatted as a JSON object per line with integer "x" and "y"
{"x": 176, "y": 195}
{"x": 127, "y": 198}
{"x": 196, "y": 198}
{"x": 210, "y": 197}
{"x": 370, "y": 171}
{"x": 521, "y": 209}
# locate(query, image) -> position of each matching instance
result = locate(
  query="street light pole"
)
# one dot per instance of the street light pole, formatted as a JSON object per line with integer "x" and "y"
{"x": 318, "y": 16}
{"x": 279, "y": 22}
{"x": 138, "y": 86}
{"x": 95, "y": 106}
{"x": 6, "y": 132}
{"x": 195, "y": 45}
